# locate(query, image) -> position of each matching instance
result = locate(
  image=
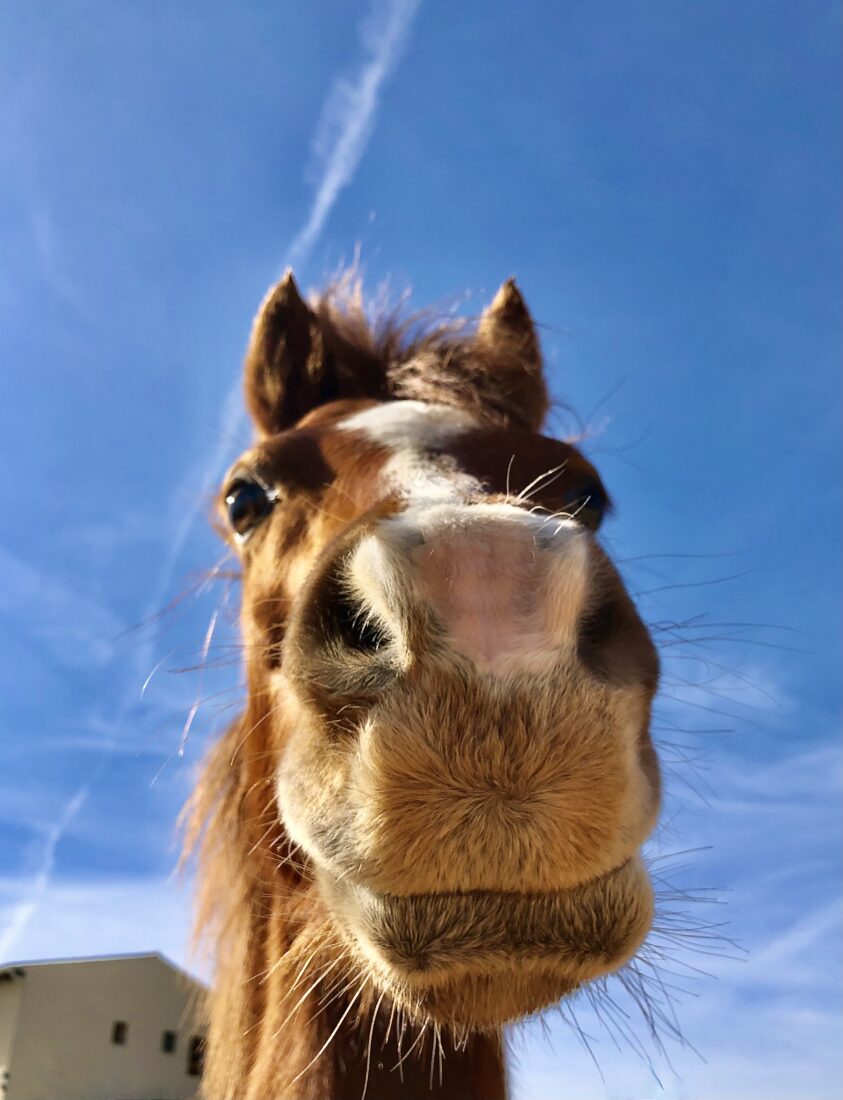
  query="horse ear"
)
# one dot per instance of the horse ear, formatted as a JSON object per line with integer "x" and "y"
{"x": 507, "y": 339}
{"x": 298, "y": 359}
{"x": 285, "y": 365}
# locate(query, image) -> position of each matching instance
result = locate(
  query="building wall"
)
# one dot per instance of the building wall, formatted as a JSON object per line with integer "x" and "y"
{"x": 10, "y": 996}
{"x": 63, "y": 1049}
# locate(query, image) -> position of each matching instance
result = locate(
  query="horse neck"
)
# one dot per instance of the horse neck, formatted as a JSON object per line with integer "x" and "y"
{"x": 282, "y": 1036}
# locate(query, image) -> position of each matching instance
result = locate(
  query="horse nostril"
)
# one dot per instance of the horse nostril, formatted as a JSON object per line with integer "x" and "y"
{"x": 347, "y": 622}
{"x": 356, "y": 627}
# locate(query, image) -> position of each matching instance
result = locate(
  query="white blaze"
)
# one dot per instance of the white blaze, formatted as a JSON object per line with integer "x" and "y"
{"x": 413, "y": 431}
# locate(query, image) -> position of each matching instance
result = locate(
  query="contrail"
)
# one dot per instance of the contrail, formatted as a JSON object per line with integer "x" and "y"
{"x": 345, "y": 126}
{"x": 348, "y": 116}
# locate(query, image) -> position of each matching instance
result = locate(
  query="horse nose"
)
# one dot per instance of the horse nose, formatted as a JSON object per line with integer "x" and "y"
{"x": 438, "y": 653}
{"x": 493, "y": 582}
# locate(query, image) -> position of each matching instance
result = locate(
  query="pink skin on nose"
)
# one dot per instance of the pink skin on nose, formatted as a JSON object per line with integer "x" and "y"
{"x": 485, "y": 586}
{"x": 507, "y": 587}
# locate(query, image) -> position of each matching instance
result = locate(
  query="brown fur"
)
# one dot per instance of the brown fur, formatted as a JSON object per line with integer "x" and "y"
{"x": 301, "y": 357}
{"x": 465, "y": 840}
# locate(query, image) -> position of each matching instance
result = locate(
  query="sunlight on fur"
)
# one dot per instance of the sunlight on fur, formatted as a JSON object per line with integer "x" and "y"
{"x": 428, "y": 820}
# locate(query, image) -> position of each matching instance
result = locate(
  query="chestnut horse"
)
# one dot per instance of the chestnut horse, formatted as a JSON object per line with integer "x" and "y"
{"x": 428, "y": 820}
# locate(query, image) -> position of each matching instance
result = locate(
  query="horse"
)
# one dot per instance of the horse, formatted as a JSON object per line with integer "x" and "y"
{"x": 428, "y": 820}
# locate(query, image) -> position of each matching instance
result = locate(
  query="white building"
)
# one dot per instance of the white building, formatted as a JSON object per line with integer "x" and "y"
{"x": 118, "y": 1028}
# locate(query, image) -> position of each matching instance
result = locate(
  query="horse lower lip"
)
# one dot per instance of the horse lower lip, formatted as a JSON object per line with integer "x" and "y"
{"x": 592, "y": 927}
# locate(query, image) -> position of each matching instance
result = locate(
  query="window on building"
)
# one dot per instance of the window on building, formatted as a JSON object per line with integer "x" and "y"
{"x": 119, "y": 1032}
{"x": 196, "y": 1056}
{"x": 168, "y": 1042}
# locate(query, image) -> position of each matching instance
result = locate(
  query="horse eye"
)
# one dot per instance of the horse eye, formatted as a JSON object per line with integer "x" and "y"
{"x": 248, "y": 503}
{"x": 587, "y": 505}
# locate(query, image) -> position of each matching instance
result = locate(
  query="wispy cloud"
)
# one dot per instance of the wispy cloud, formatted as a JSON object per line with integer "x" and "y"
{"x": 78, "y": 630}
{"x": 35, "y": 888}
{"x": 115, "y": 915}
{"x": 799, "y": 777}
{"x": 53, "y": 266}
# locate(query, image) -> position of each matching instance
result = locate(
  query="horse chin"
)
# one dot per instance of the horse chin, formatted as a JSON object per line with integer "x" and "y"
{"x": 479, "y": 959}
{"x": 484, "y": 1002}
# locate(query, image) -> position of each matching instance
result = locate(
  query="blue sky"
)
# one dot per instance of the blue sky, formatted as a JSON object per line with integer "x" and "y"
{"x": 662, "y": 179}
